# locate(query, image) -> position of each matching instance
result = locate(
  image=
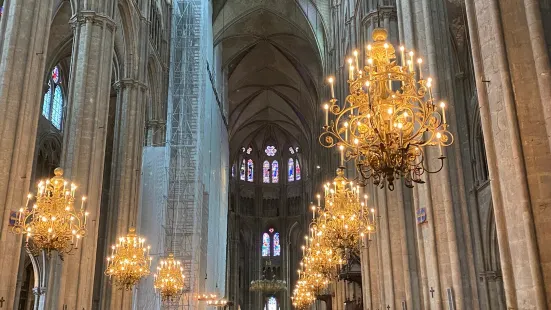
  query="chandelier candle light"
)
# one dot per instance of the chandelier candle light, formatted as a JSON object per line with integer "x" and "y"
{"x": 52, "y": 223}
{"x": 169, "y": 280}
{"x": 129, "y": 261}
{"x": 388, "y": 118}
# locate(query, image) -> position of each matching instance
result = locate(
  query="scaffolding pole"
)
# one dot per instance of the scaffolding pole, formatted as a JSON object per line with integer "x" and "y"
{"x": 187, "y": 210}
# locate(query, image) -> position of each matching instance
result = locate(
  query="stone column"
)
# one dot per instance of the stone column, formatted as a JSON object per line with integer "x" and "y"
{"x": 26, "y": 30}
{"x": 126, "y": 167}
{"x": 366, "y": 274}
{"x": 512, "y": 71}
{"x": 85, "y": 136}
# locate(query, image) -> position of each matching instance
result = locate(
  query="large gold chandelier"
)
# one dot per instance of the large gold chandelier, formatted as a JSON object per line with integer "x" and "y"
{"x": 321, "y": 259}
{"x": 344, "y": 219}
{"x": 52, "y": 223}
{"x": 169, "y": 279}
{"x": 129, "y": 261}
{"x": 303, "y": 296}
{"x": 388, "y": 117}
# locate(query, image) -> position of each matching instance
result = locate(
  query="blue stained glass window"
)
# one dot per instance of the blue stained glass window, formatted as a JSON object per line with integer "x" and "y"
{"x": 291, "y": 170}
{"x": 297, "y": 171}
{"x": 277, "y": 246}
{"x": 275, "y": 171}
{"x": 57, "y": 108}
{"x": 46, "y": 107}
{"x": 266, "y": 172}
{"x": 250, "y": 170}
{"x": 242, "y": 172}
{"x": 266, "y": 244}
{"x": 52, "y": 107}
{"x": 272, "y": 303}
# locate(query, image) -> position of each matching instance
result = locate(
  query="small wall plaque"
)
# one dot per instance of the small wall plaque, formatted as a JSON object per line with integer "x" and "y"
{"x": 421, "y": 215}
{"x": 13, "y": 218}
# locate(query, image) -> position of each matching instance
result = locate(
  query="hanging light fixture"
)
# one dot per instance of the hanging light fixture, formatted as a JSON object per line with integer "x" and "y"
{"x": 269, "y": 286}
{"x": 129, "y": 261}
{"x": 303, "y": 295}
{"x": 344, "y": 218}
{"x": 52, "y": 223}
{"x": 388, "y": 117}
{"x": 169, "y": 279}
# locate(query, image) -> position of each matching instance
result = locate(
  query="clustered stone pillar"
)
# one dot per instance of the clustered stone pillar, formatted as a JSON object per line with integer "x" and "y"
{"x": 511, "y": 64}
{"x": 85, "y": 136}
{"x": 25, "y": 28}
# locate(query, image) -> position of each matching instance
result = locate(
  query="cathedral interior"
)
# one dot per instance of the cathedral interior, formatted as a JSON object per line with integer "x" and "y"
{"x": 275, "y": 154}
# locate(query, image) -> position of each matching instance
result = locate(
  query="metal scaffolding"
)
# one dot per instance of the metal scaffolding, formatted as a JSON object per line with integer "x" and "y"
{"x": 187, "y": 210}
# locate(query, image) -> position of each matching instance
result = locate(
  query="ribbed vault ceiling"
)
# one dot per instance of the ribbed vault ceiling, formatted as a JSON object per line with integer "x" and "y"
{"x": 271, "y": 51}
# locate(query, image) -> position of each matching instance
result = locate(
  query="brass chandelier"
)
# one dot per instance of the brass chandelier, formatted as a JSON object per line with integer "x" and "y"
{"x": 303, "y": 295}
{"x": 52, "y": 223}
{"x": 388, "y": 117}
{"x": 269, "y": 286}
{"x": 169, "y": 279}
{"x": 129, "y": 261}
{"x": 344, "y": 219}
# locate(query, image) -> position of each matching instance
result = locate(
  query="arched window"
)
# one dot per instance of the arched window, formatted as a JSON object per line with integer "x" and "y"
{"x": 277, "y": 246}
{"x": 266, "y": 172}
{"x": 297, "y": 171}
{"x": 242, "y": 172}
{"x": 271, "y": 304}
{"x": 270, "y": 243}
{"x": 275, "y": 171}
{"x": 233, "y": 171}
{"x": 52, "y": 107}
{"x": 266, "y": 244}
{"x": 250, "y": 170}
{"x": 291, "y": 170}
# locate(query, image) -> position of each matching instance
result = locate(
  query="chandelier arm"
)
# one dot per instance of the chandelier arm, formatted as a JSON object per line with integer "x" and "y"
{"x": 439, "y": 169}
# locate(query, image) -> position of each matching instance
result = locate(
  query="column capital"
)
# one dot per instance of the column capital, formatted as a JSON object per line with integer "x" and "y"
{"x": 129, "y": 83}
{"x": 37, "y": 291}
{"x": 83, "y": 17}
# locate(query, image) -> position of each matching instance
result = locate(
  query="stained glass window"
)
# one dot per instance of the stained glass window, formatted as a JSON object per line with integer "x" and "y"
{"x": 249, "y": 150}
{"x": 266, "y": 244}
{"x": 242, "y": 172}
{"x": 277, "y": 246}
{"x": 270, "y": 150}
{"x": 57, "y": 107}
{"x": 291, "y": 150}
{"x": 275, "y": 171}
{"x": 233, "y": 171}
{"x": 266, "y": 172}
{"x": 46, "y": 107}
{"x": 250, "y": 170}
{"x": 291, "y": 170}
{"x": 297, "y": 171}
{"x": 272, "y": 304}
{"x": 52, "y": 106}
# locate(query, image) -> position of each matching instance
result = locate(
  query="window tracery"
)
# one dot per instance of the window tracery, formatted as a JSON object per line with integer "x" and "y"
{"x": 270, "y": 150}
{"x": 271, "y": 246}
{"x": 266, "y": 172}
{"x": 52, "y": 106}
{"x": 250, "y": 170}
{"x": 291, "y": 170}
{"x": 275, "y": 171}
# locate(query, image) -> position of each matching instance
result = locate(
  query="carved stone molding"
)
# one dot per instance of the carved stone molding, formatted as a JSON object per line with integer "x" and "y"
{"x": 94, "y": 18}
{"x": 129, "y": 83}
{"x": 490, "y": 275}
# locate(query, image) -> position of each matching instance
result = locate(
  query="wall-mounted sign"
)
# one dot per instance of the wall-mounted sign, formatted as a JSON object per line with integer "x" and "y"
{"x": 13, "y": 218}
{"x": 421, "y": 215}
